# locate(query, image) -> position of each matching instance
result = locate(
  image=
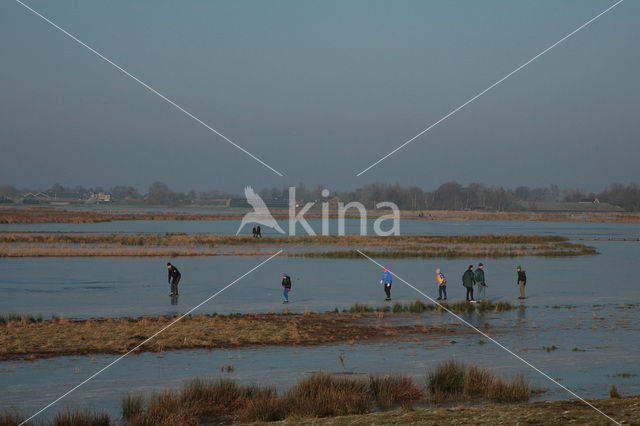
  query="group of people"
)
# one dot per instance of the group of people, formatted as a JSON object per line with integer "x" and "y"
{"x": 469, "y": 279}
{"x": 257, "y": 232}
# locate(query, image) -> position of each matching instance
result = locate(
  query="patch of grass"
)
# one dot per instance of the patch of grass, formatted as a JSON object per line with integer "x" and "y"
{"x": 447, "y": 380}
{"x": 67, "y": 416}
{"x": 391, "y": 391}
{"x": 613, "y": 392}
{"x": 550, "y": 348}
{"x": 359, "y": 308}
{"x": 517, "y": 389}
{"x": 419, "y": 307}
{"x": 131, "y": 406}
{"x": 10, "y": 417}
{"x": 454, "y": 381}
{"x": 625, "y": 375}
{"x": 322, "y": 395}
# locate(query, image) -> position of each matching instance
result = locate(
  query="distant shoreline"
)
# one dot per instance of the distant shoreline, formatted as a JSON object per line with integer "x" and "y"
{"x": 30, "y": 215}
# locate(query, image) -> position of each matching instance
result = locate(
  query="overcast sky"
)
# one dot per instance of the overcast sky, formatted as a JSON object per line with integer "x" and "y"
{"x": 319, "y": 90}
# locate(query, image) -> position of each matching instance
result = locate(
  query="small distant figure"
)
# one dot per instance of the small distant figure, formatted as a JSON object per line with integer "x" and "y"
{"x": 174, "y": 278}
{"x": 258, "y": 232}
{"x": 386, "y": 281}
{"x": 468, "y": 280}
{"x": 482, "y": 285}
{"x": 286, "y": 286}
{"x": 522, "y": 281}
{"x": 442, "y": 285}
{"x": 255, "y": 232}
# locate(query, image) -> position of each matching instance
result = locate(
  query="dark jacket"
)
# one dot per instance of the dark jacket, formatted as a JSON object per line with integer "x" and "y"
{"x": 286, "y": 282}
{"x": 173, "y": 273}
{"x": 468, "y": 279}
{"x": 479, "y": 276}
{"x": 522, "y": 276}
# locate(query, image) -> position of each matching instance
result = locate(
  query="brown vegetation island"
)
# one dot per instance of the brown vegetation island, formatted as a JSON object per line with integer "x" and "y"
{"x": 27, "y": 337}
{"x": 402, "y": 246}
{"x": 13, "y": 215}
{"x": 33, "y": 339}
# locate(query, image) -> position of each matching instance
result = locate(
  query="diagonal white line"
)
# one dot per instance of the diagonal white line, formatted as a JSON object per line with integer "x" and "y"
{"x": 485, "y": 335}
{"x": 490, "y": 87}
{"x": 149, "y": 338}
{"x": 146, "y": 86}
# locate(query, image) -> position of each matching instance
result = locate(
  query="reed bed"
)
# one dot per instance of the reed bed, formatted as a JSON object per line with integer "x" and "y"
{"x": 625, "y": 410}
{"x": 419, "y": 307}
{"x": 455, "y": 381}
{"x": 171, "y": 245}
{"x": 320, "y": 395}
{"x": 26, "y": 339}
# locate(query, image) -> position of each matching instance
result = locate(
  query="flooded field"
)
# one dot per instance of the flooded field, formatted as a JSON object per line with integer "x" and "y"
{"x": 579, "y": 312}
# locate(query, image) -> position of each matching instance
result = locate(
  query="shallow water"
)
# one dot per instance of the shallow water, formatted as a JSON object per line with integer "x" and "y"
{"x": 96, "y": 287}
{"x": 107, "y": 286}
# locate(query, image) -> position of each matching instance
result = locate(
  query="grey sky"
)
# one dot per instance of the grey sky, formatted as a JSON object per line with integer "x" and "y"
{"x": 319, "y": 90}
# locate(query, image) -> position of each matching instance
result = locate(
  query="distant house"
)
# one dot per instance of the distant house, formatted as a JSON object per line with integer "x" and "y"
{"x": 270, "y": 203}
{"x": 590, "y": 200}
{"x": 100, "y": 197}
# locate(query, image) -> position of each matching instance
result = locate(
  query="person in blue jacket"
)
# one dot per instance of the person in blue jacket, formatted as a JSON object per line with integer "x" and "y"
{"x": 386, "y": 281}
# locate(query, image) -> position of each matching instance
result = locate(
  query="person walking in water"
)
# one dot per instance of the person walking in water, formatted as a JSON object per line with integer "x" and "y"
{"x": 174, "y": 278}
{"x": 386, "y": 282}
{"x": 479, "y": 279}
{"x": 522, "y": 281}
{"x": 468, "y": 281}
{"x": 442, "y": 285}
{"x": 286, "y": 287}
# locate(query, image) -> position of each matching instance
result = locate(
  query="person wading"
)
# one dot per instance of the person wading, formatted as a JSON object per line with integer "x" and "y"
{"x": 286, "y": 287}
{"x": 174, "y": 279}
{"x": 479, "y": 278}
{"x": 468, "y": 281}
{"x": 386, "y": 282}
{"x": 522, "y": 281}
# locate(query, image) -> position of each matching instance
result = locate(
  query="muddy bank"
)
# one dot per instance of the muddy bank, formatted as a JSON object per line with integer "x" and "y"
{"x": 624, "y": 410}
{"x": 30, "y": 340}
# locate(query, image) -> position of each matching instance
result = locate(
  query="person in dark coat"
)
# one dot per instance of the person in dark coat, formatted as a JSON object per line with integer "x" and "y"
{"x": 468, "y": 280}
{"x": 258, "y": 232}
{"x": 255, "y": 232}
{"x": 479, "y": 279}
{"x": 522, "y": 281}
{"x": 174, "y": 278}
{"x": 286, "y": 286}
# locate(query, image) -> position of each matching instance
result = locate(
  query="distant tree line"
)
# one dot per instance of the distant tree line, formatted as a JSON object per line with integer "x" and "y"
{"x": 449, "y": 196}
{"x": 454, "y": 196}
